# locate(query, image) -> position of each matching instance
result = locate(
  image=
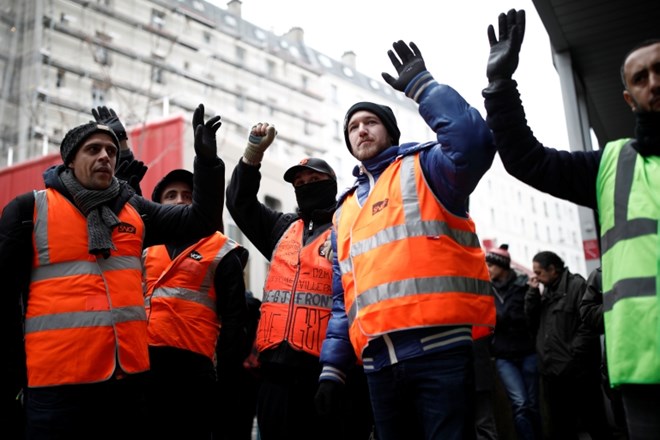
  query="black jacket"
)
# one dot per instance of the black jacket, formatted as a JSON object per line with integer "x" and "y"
{"x": 566, "y": 346}
{"x": 264, "y": 226}
{"x": 512, "y": 337}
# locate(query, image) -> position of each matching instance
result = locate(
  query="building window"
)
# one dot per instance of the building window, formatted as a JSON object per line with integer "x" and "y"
{"x": 337, "y": 129}
{"x": 240, "y": 54}
{"x": 157, "y": 74}
{"x": 207, "y": 37}
{"x": 272, "y": 105}
{"x": 59, "y": 79}
{"x": 157, "y": 19}
{"x": 270, "y": 67}
{"x": 157, "y": 71}
{"x": 240, "y": 100}
{"x": 106, "y": 3}
{"x": 334, "y": 93}
{"x": 101, "y": 52}
{"x": 305, "y": 81}
{"x": 99, "y": 93}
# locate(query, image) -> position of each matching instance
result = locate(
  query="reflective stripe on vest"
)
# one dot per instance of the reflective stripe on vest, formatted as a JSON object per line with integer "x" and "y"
{"x": 297, "y": 295}
{"x": 629, "y": 208}
{"x": 406, "y": 262}
{"x": 83, "y": 306}
{"x": 180, "y": 295}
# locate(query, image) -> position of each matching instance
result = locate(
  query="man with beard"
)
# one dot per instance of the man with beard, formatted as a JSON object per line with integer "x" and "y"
{"x": 621, "y": 181}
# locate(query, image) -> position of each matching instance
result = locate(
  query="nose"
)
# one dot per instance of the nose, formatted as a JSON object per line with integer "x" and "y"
{"x": 103, "y": 155}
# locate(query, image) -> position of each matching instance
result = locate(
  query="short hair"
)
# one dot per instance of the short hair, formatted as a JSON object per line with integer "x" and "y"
{"x": 638, "y": 46}
{"x": 548, "y": 258}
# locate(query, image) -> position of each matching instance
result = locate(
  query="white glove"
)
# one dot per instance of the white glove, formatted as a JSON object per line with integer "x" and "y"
{"x": 261, "y": 136}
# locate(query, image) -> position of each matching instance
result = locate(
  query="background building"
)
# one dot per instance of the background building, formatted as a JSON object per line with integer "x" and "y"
{"x": 152, "y": 59}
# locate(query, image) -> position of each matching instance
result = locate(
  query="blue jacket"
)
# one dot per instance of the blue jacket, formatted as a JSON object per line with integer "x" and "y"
{"x": 453, "y": 164}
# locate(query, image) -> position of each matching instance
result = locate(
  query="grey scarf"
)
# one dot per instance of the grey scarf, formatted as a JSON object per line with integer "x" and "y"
{"x": 93, "y": 204}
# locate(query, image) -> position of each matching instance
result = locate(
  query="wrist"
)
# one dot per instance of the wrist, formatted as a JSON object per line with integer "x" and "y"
{"x": 419, "y": 83}
{"x": 253, "y": 155}
{"x": 249, "y": 162}
{"x": 499, "y": 85}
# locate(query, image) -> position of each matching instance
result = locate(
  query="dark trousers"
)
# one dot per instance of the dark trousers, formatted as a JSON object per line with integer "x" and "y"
{"x": 642, "y": 408}
{"x": 575, "y": 403}
{"x": 285, "y": 407}
{"x": 429, "y": 397}
{"x": 109, "y": 410}
{"x": 237, "y": 405}
{"x": 181, "y": 395}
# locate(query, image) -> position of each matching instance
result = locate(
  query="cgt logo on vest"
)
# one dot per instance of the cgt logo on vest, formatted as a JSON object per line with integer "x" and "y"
{"x": 379, "y": 206}
{"x": 126, "y": 227}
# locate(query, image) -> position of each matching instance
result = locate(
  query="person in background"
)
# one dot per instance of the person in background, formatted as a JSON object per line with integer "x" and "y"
{"x": 513, "y": 345}
{"x": 297, "y": 297}
{"x": 195, "y": 301}
{"x": 620, "y": 181}
{"x": 70, "y": 255}
{"x": 569, "y": 352}
{"x": 411, "y": 287}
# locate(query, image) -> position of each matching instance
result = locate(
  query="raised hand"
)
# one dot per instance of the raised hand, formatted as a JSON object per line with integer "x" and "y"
{"x": 503, "y": 58}
{"x": 261, "y": 136}
{"x": 408, "y": 67}
{"x": 205, "y": 143}
{"x": 107, "y": 116}
{"x": 132, "y": 171}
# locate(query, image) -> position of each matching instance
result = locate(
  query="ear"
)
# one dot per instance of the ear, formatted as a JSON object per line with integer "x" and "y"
{"x": 629, "y": 100}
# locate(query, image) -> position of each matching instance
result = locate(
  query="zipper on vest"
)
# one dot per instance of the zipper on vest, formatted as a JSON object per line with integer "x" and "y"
{"x": 292, "y": 297}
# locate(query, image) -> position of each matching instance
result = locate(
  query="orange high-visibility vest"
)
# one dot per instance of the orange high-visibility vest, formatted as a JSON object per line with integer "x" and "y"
{"x": 297, "y": 294}
{"x": 407, "y": 262}
{"x": 85, "y": 313}
{"x": 180, "y": 295}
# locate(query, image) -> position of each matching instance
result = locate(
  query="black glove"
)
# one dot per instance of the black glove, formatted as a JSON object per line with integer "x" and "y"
{"x": 205, "y": 144}
{"x": 329, "y": 398}
{"x": 410, "y": 65}
{"x": 132, "y": 172}
{"x": 503, "y": 58}
{"x": 107, "y": 116}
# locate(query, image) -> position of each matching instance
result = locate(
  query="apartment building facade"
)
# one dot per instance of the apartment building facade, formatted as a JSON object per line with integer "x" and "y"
{"x": 153, "y": 58}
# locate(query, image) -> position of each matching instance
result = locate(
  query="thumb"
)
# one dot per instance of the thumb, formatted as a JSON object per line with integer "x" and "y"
{"x": 388, "y": 78}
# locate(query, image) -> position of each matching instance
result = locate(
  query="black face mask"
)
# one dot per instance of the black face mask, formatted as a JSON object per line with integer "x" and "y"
{"x": 316, "y": 195}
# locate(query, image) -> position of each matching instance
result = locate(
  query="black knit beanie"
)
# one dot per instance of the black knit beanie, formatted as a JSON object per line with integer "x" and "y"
{"x": 384, "y": 113}
{"x": 75, "y": 137}
{"x": 499, "y": 256}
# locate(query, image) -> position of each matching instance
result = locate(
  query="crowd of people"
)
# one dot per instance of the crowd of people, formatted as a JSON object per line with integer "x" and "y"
{"x": 381, "y": 317}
